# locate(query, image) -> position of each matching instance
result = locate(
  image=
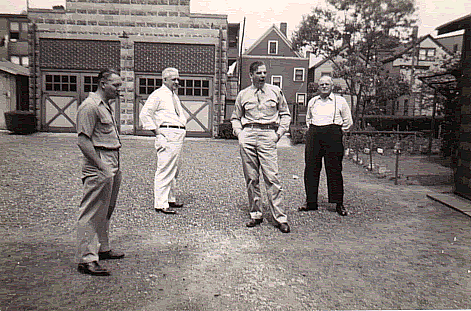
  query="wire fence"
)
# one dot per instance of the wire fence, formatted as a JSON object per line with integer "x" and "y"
{"x": 367, "y": 147}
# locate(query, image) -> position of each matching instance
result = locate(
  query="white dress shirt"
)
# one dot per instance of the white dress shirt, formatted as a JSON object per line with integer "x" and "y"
{"x": 333, "y": 109}
{"x": 159, "y": 109}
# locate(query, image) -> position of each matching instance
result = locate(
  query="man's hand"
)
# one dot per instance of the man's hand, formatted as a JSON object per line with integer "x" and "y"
{"x": 161, "y": 142}
{"x": 278, "y": 137}
{"x": 106, "y": 171}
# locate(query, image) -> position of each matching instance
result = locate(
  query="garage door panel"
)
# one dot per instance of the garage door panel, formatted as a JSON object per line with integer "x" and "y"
{"x": 56, "y": 107}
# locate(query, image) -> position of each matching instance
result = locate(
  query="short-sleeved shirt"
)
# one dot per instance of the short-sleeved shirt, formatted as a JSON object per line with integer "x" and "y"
{"x": 262, "y": 106}
{"x": 95, "y": 120}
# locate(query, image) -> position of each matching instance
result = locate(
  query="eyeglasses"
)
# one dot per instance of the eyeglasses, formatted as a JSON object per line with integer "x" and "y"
{"x": 175, "y": 79}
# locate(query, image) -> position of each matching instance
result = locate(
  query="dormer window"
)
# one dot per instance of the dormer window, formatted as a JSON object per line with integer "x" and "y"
{"x": 272, "y": 47}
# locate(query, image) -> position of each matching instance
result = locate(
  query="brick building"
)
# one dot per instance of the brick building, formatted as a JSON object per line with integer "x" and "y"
{"x": 138, "y": 37}
{"x": 14, "y": 48}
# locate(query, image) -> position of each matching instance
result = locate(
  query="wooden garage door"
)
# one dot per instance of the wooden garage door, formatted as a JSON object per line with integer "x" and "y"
{"x": 62, "y": 93}
{"x": 194, "y": 93}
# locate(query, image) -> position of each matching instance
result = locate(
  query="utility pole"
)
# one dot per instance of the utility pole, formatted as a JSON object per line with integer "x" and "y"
{"x": 415, "y": 59}
{"x": 240, "y": 57}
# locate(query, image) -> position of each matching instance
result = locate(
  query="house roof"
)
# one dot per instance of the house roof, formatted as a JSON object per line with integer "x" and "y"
{"x": 282, "y": 36}
{"x": 457, "y": 24}
{"x": 409, "y": 46}
{"x": 13, "y": 69}
{"x": 19, "y": 16}
{"x": 325, "y": 60}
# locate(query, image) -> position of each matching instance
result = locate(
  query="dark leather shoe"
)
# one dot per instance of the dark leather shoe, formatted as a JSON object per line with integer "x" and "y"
{"x": 254, "y": 222}
{"x": 308, "y": 207}
{"x": 110, "y": 255}
{"x": 341, "y": 210}
{"x": 284, "y": 227}
{"x": 165, "y": 211}
{"x": 92, "y": 268}
{"x": 175, "y": 205}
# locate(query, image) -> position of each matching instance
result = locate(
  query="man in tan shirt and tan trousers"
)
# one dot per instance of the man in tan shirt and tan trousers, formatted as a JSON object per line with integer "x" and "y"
{"x": 98, "y": 139}
{"x": 261, "y": 116}
{"x": 163, "y": 115}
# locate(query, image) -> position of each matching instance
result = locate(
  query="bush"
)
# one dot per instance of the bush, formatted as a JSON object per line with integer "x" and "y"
{"x": 20, "y": 122}
{"x": 298, "y": 134}
{"x": 225, "y": 130}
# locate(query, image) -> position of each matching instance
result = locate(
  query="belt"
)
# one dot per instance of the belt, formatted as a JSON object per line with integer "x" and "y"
{"x": 173, "y": 126}
{"x": 261, "y": 126}
{"x": 106, "y": 149}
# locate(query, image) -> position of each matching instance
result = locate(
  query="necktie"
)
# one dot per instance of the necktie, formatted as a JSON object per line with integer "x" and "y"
{"x": 259, "y": 99}
{"x": 175, "y": 104}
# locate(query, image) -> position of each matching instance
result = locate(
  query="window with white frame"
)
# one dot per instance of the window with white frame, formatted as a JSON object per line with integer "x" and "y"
{"x": 301, "y": 98}
{"x": 277, "y": 80}
{"x": 14, "y": 31}
{"x": 298, "y": 74}
{"x": 25, "y": 61}
{"x": 15, "y": 59}
{"x": 272, "y": 47}
{"x": 427, "y": 54}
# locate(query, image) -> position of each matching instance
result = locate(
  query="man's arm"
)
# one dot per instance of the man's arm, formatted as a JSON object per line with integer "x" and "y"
{"x": 309, "y": 112}
{"x": 147, "y": 114}
{"x": 86, "y": 146}
{"x": 285, "y": 115}
{"x": 237, "y": 115}
{"x": 347, "y": 120}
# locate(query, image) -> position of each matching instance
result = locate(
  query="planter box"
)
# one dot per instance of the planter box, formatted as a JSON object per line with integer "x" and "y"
{"x": 20, "y": 122}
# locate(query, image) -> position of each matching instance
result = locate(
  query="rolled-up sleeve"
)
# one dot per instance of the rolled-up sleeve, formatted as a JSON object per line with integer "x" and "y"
{"x": 347, "y": 120}
{"x": 284, "y": 113}
{"x": 147, "y": 115}
{"x": 237, "y": 115}
{"x": 87, "y": 118}
{"x": 309, "y": 112}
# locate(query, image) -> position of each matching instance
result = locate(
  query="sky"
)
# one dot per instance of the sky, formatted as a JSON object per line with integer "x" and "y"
{"x": 261, "y": 14}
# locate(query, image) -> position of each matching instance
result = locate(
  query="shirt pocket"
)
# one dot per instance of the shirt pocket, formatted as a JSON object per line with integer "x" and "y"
{"x": 106, "y": 124}
{"x": 250, "y": 109}
{"x": 270, "y": 107}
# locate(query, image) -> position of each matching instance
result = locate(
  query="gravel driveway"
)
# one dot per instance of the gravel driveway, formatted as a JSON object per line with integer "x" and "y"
{"x": 397, "y": 249}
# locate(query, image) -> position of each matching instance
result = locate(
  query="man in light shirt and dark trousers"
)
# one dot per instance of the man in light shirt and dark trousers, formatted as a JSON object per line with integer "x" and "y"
{"x": 163, "y": 115}
{"x": 327, "y": 117}
{"x": 260, "y": 118}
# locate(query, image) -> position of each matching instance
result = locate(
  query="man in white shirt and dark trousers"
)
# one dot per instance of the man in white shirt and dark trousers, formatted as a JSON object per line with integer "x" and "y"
{"x": 328, "y": 116}
{"x": 163, "y": 115}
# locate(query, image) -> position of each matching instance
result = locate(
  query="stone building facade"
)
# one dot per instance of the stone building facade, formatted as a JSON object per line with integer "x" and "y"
{"x": 140, "y": 38}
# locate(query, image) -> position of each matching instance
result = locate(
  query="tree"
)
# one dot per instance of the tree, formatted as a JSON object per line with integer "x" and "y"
{"x": 355, "y": 35}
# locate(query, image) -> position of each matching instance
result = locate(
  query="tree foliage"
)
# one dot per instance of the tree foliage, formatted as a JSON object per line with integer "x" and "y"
{"x": 355, "y": 35}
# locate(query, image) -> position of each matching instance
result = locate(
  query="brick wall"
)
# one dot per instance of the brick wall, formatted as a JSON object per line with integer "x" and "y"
{"x": 188, "y": 58}
{"x": 79, "y": 54}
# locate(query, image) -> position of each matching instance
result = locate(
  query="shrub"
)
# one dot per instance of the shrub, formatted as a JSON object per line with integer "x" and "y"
{"x": 298, "y": 134}
{"x": 225, "y": 130}
{"x": 20, "y": 122}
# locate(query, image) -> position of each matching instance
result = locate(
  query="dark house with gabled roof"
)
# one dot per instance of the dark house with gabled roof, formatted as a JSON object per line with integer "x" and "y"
{"x": 286, "y": 67}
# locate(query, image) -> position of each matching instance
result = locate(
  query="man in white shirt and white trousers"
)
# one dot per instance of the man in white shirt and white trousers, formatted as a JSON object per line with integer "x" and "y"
{"x": 328, "y": 116}
{"x": 163, "y": 115}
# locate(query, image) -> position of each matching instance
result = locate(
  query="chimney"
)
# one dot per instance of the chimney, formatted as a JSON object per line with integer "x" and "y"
{"x": 284, "y": 29}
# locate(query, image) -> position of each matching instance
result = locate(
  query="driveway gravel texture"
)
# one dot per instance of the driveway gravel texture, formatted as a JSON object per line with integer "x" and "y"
{"x": 396, "y": 250}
